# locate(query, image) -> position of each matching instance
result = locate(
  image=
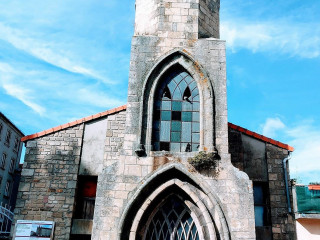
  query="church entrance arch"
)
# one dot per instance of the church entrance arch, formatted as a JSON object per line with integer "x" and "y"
{"x": 172, "y": 205}
{"x": 172, "y": 220}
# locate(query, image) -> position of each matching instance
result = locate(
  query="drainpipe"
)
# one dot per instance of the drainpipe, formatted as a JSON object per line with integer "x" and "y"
{"x": 286, "y": 180}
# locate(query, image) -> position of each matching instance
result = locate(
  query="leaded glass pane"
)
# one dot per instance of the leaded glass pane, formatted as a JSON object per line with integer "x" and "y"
{"x": 186, "y": 106}
{"x": 195, "y": 92}
{"x": 177, "y": 78}
{"x": 166, "y": 105}
{"x": 176, "y": 106}
{"x": 196, "y": 137}
{"x": 195, "y": 127}
{"x": 186, "y": 132}
{"x": 165, "y": 115}
{"x": 188, "y": 79}
{"x": 186, "y": 116}
{"x": 176, "y": 115}
{"x": 176, "y": 126}
{"x": 172, "y": 86}
{"x": 183, "y": 85}
{"x": 175, "y": 147}
{"x": 183, "y": 147}
{"x": 175, "y": 137}
{"x": 195, "y": 117}
{"x": 165, "y": 131}
{"x": 196, "y": 98}
{"x": 196, "y": 106}
{"x": 172, "y": 221}
{"x": 195, "y": 147}
{"x": 192, "y": 85}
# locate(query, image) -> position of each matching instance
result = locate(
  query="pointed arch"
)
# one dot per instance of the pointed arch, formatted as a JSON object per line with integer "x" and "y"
{"x": 175, "y": 178}
{"x": 181, "y": 59}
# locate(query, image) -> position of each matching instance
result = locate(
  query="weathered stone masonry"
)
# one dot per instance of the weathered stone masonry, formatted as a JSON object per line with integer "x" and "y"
{"x": 49, "y": 179}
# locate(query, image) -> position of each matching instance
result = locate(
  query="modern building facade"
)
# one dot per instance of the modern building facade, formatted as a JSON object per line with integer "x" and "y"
{"x": 168, "y": 165}
{"x": 10, "y": 153}
{"x": 306, "y": 205}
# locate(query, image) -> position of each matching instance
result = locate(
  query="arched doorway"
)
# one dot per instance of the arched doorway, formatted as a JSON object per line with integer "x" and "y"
{"x": 171, "y": 220}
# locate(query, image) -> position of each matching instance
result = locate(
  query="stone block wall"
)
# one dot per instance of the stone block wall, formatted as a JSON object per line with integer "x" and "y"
{"x": 49, "y": 179}
{"x": 176, "y": 19}
{"x": 266, "y": 168}
{"x": 209, "y": 18}
{"x": 283, "y": 226}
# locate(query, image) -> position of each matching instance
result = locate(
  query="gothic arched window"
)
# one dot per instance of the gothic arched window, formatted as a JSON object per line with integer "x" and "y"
{"x": 172, "y": 221}
{"x": 176, "y": 120}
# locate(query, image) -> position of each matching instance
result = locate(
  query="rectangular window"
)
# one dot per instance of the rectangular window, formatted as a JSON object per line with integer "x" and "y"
{"x": 11, "y": 168}
{"x": 261, "y": 204}
{"x": 7, "y": 189}
{"x": 3, "y": 160}
{"x": 8, "y": 136}
{"x": 16, "y": 144}
{"x": 86, "y": 197}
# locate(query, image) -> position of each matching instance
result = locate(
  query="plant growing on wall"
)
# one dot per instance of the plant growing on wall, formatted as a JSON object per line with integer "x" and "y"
{"x": 205, "y": 161}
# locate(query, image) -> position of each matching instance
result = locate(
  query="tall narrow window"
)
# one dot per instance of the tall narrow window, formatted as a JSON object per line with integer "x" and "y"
{"x": 7, "y": 189}
{"x": 3, "y": 160}
{"x": 11, "y": 168}
{"x": 8, "y": 136}
{"x": 261, "y": 204}
{"x": 16, "y": 144}
{"x": 176, "y": 120}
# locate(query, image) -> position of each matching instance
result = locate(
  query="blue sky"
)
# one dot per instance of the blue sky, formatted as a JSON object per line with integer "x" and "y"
{"x": 63, "y": 60}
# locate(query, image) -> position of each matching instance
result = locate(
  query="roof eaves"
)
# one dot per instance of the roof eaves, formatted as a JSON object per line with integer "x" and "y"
{"x": 74, "y": 123}
{"x": 261, "y": 137}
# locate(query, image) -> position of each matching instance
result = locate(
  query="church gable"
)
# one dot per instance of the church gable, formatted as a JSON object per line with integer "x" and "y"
{"x": 124, "y": 174}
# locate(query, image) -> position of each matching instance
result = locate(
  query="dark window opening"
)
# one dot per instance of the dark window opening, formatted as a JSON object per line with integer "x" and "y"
{"x": 3, "y": 160}
{"x": 86, "y": 197}
{"x": 16, "y": 144}
{"x": 261, "y": 204}
{"x": 8, "y": 136}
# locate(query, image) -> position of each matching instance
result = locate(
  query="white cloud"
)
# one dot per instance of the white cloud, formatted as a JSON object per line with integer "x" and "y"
{"x": 47, "y": 51}
{"x": 97, "y": 98}
{"x": 271, "y": 126}
{"x": 305, "y": 138}
{"x": 277, "y": 36}
{"x": 17, "y": 91}
{"x": 23, "y": 95}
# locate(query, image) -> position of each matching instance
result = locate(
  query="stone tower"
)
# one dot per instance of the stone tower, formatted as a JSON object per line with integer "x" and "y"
{"x": 176, "y": 108}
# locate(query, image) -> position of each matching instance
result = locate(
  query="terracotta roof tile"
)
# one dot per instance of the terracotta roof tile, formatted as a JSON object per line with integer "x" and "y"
{"x": 74, "y": 123}
{"x": 261, "y": 137}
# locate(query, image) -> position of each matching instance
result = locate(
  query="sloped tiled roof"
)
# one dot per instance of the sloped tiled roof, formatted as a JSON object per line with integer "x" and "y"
{"x": 261, "y": 137}
{"x": 124, "y": 107}
{"x": 71, "y": 124}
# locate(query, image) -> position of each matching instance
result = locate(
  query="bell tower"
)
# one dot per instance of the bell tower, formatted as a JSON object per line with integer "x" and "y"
{"x": 176, "y": 111}
{"x": 184, "y": 33}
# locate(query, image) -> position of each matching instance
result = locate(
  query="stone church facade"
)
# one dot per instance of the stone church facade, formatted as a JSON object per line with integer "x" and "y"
{"x": 127, "y": 173}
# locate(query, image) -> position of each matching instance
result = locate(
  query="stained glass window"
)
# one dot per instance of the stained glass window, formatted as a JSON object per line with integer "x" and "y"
{"x": 172, "y": 221}
{"x": 176, "y": 119}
